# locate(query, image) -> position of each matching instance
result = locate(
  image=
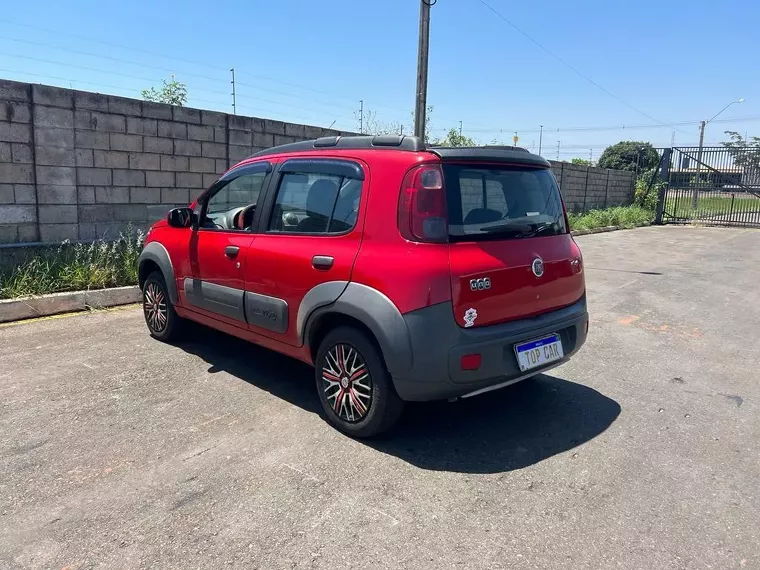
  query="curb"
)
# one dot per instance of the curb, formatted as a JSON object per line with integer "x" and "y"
{"x": 606, "y": 229}
{"x": 55, "y": 303}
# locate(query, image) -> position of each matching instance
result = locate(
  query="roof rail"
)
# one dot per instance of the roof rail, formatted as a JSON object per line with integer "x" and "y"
{"x": 485, "y": 146}
{"x": 400, "y": 142}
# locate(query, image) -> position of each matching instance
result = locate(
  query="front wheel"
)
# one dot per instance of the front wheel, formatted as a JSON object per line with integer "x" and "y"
{"x": 160, "y": 316}
{"x": 354, "y": 386}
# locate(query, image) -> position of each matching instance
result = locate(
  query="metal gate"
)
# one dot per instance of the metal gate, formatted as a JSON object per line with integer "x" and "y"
{"x": 710, "y": 185}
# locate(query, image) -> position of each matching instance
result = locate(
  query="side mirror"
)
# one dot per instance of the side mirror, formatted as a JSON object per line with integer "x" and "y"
{"x": 180, "y": 217}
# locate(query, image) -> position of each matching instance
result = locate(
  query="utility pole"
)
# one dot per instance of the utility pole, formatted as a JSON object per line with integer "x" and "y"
{"x": 591, "y": 155}
{"x": 422, "y": 68}
{"x": 234, "y": 108}
{"x": 361, "y": 116}
{"x": 558, "y": 143}
{"x": 695, "y": 194}
{"x": 460, "y": 128}
{"x": 673, "y": 139}
{"x": 540, "y": 139}
{"x": 702, "y": 125}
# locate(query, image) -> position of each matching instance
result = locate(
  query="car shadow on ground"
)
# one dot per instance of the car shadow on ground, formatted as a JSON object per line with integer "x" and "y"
{"x": 503, "y": 430}
{"x": 499, "y": 431}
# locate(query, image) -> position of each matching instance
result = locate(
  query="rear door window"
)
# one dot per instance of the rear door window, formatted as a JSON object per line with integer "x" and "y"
{"x": 504, "y": 202}
{"x": 309, "y": 203}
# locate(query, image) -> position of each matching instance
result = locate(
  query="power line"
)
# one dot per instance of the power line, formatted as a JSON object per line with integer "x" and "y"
{"x": 151, "y": 80}
{"x": 188, "y": 61}
{"x": 67, "y": 81}
{"x": 566, "y": 64}
{"x": 507, "y": 130}
{"x": 162, "y": 68}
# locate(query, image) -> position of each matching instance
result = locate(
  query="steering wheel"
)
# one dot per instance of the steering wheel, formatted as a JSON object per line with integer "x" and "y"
{"x": 244, "y": 218}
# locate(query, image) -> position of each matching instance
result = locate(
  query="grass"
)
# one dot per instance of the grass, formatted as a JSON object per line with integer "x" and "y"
{"x": 621, "y": 216}
{"x": 75, "y": 267}
{"x": 679, "y": 204}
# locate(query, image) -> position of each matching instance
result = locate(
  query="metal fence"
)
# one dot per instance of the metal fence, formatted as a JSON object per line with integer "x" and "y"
{"x": 710, "y": 185}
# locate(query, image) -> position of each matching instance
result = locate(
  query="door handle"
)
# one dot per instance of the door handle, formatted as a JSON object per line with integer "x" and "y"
{"x": 322, "y": 262}
{"x": 231, "y": 251}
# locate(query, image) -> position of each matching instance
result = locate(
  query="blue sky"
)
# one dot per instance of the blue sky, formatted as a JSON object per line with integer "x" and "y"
{"x": 312, "y": 61}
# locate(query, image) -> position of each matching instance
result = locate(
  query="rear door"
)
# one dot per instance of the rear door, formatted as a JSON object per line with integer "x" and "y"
{"x": 511, "y": 255}
{"x": 311, "y": 233}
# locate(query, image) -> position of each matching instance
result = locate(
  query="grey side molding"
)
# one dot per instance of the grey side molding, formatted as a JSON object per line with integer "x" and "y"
{"x": 381, "y": 316}
{"x": 266, "y": 312}
{"x": 319, "y": 296}
{"x": 157, "y": 253}
{"x": 215, "y": 298}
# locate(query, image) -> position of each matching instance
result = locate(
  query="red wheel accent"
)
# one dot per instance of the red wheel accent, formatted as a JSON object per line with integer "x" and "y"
{"x": 347, "y": 383}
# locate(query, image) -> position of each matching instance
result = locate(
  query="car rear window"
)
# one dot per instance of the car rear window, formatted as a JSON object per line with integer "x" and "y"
{"x": 503, "y": 202}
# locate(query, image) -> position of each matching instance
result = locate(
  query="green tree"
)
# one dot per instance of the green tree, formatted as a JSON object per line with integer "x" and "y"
{"x": 581, "y": 161}
{"x": 746, "y": 154}
{"x": 629, "y": 155}
{"x": 172, "y": 93}
{"x": 453, "y": 138}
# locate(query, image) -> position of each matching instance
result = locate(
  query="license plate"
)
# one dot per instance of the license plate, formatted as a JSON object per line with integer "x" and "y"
{"x": 539, "y": 352}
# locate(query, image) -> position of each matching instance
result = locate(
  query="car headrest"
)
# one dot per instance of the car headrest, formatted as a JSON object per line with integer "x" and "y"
{"x": 321, "y": 198}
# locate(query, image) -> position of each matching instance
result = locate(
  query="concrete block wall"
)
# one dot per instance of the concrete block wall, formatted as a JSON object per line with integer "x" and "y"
{"x": 76, "y": 165}
{"x": 587, "y": 188}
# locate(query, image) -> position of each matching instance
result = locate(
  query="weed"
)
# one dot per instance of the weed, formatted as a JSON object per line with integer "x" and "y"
{"x": 621, "y": 216}
{"x": 75, "y": 267}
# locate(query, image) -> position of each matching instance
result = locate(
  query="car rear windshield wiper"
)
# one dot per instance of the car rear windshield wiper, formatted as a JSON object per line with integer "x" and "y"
{"x": 522, "y": 229}
{"x": 539, "y": 228}
{"x": 508, "y": 226}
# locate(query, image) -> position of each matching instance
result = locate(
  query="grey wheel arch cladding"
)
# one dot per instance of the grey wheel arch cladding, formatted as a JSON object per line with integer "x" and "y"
{"x": 378, "y": 313}
{"x": 157, "y": 253}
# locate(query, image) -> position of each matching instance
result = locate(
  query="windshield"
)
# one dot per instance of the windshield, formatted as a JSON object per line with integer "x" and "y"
{"x": 505, "y": 202}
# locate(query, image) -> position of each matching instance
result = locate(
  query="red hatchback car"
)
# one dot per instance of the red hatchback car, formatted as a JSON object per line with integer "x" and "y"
{"x": 399, "y": 271}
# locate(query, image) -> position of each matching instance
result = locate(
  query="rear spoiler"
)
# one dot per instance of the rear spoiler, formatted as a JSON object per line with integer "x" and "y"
{"x": 510, "y": 154}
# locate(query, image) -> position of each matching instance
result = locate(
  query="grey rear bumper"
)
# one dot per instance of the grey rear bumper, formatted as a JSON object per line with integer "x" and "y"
{"x": 438, "y": 345}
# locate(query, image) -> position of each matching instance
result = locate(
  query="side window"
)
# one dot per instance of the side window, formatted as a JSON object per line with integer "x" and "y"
{"x": 227, "y": 208}
{"x": 241, "y": 191}
{"x": 315, "y": 203}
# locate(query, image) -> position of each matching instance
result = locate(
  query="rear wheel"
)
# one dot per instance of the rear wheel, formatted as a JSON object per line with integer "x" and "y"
{"x": 160, "y": 316}
{"x": 354, "y": 386}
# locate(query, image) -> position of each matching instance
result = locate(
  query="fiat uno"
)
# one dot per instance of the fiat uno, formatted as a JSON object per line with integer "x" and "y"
{"x": 400, "y": 271}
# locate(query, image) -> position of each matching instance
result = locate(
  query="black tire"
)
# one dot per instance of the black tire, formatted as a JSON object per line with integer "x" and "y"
{"x": 384, "y": 405}
{"x": 163, "y": 322}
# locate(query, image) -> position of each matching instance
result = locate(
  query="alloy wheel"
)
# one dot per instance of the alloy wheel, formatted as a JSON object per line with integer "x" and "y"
{"x": 154, "y": 306}
{"x": 347, "y": 383}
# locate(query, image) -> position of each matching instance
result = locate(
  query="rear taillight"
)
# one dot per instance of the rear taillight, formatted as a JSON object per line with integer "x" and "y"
{"x": 422, "y": 205}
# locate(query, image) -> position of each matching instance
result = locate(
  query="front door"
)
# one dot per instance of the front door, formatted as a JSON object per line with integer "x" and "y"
{"x": 311, "y": 236}
{"x": 219, "y": 247}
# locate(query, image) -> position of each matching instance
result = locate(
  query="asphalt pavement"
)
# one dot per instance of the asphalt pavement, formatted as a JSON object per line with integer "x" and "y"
{"x": 118, "y": 451}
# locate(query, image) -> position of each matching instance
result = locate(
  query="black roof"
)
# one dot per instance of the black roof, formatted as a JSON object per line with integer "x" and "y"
{"x": 491, "y": 154}
{"x": 412, "y": 144}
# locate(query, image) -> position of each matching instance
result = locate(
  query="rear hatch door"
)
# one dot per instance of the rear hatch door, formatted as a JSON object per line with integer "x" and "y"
{"x": 511, "y": 255}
